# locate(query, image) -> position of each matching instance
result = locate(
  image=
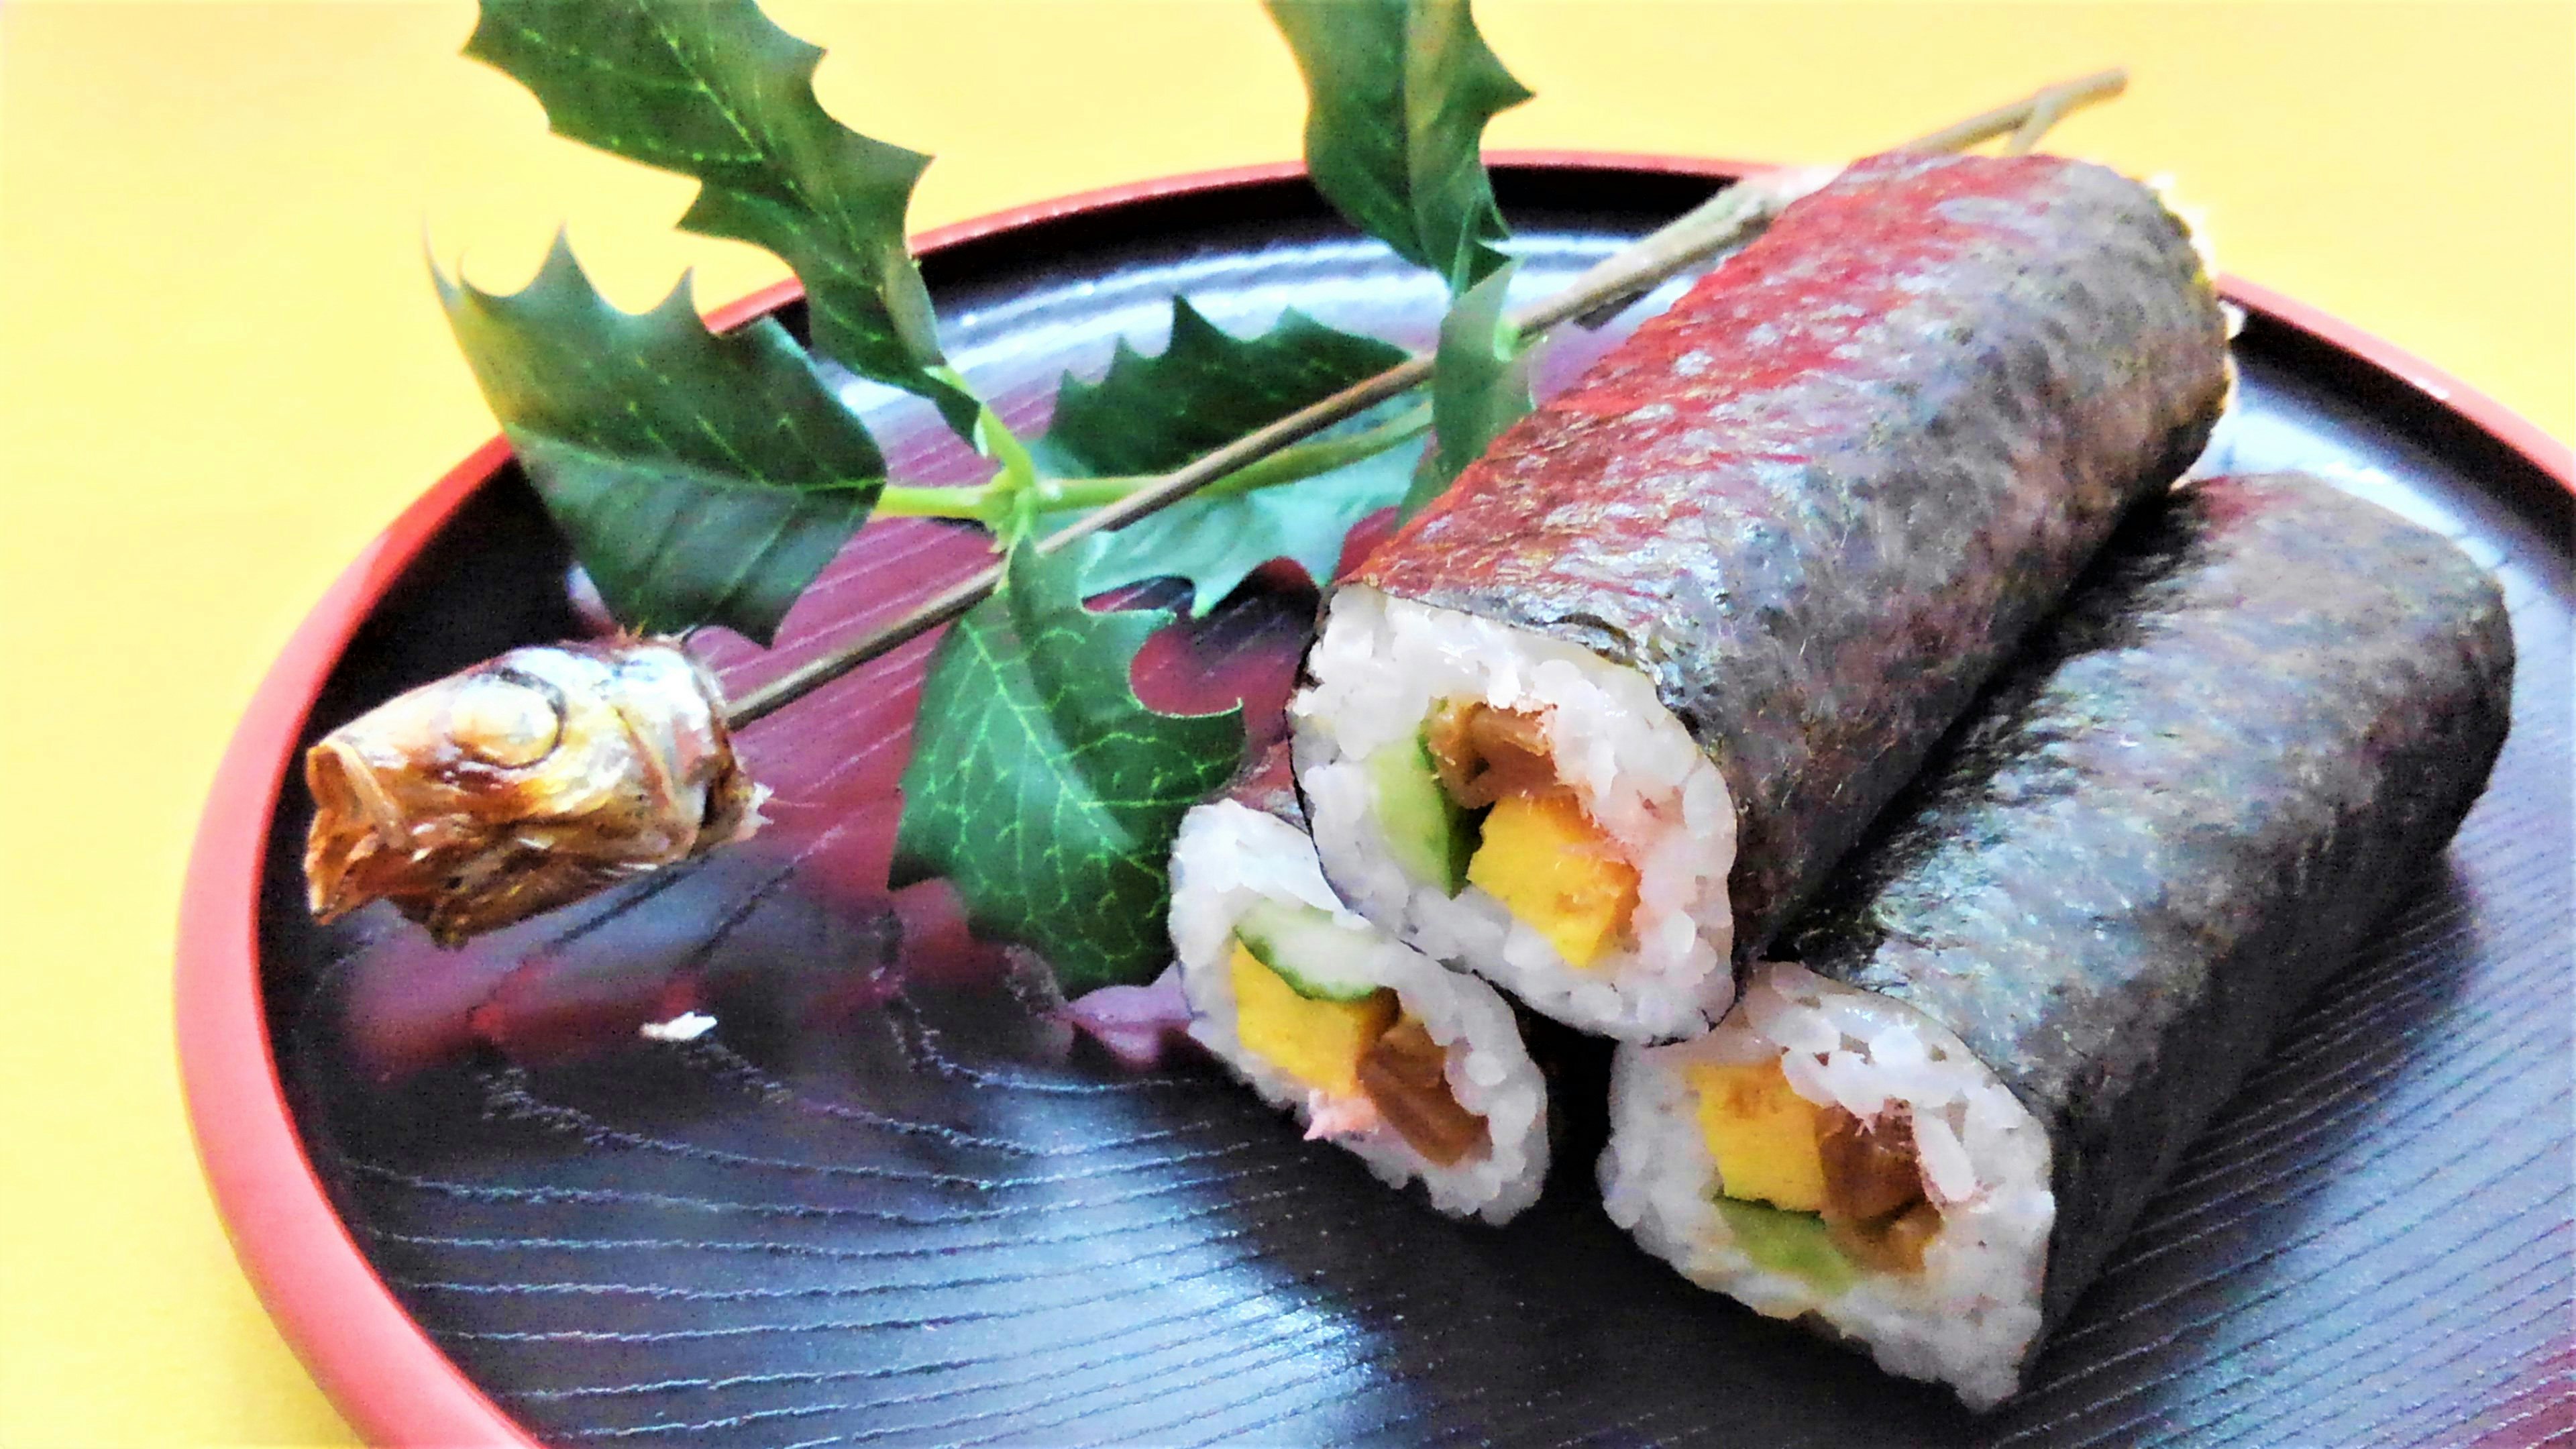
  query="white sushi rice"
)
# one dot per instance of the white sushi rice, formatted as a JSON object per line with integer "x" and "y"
{"x": 1228, "y": 858}
{"x": 1380, "y": 668}
{"x": 2194, "y": 221}
{"x": 1971, "y": 1315}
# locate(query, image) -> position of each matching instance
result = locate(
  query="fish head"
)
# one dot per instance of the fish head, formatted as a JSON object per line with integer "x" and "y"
{"x": 523, "y": 783}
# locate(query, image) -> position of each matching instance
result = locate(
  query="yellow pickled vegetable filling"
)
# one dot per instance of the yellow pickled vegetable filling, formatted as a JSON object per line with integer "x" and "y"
{"x": 1763, "y": 1135}
{"x": 1556, "y": 872}
{"x": 1320, "y": 1043}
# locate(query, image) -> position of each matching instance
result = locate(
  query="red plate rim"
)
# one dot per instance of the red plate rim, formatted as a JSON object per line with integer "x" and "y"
{"x": 378, "y": 1366}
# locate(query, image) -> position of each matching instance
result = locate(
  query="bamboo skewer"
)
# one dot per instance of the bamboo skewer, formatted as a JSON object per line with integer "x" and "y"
{"x": 1613, "y": 283}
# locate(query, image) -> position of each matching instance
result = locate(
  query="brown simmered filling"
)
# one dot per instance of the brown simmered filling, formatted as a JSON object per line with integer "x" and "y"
{"x": 1403, "y": 1073}
{"x": 1535, "y": 848}
{"x": 1858, "y": 1180}
{"x": 1483, "y": 754}
{"x": 1874, "y": 1202}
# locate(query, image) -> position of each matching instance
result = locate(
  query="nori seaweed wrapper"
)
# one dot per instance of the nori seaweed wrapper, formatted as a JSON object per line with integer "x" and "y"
{"x": 2251, "y": 731}
{"x": 1822, "y": 497}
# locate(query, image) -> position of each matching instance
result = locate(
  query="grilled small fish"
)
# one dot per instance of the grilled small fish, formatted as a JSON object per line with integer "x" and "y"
{"x": 524, "y": 783}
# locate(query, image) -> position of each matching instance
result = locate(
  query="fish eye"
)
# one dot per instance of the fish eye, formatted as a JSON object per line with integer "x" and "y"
{"x": 505, "y": 719}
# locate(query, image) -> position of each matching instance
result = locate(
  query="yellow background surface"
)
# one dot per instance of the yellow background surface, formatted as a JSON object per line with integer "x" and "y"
{"x": 224, "y": 371}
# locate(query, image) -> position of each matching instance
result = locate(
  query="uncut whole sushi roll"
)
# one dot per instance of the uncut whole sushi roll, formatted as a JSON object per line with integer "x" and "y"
{"x": 1599, "y": 717}
{"x": 2247, "y": 737}
{"x": 1418, "y": 1070}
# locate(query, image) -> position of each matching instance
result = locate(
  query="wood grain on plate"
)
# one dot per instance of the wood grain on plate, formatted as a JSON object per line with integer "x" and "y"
{"x": 890, "y": 1201}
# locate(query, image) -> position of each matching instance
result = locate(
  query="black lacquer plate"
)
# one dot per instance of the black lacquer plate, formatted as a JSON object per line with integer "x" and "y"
{"x": 890, "y": 1200}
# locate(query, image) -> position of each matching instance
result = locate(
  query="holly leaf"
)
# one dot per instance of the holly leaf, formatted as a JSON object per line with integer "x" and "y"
{"x": 1043, "y": 788}
{"x": 1216, "y": 542}
{"x": 1205, "y": 389}
{"x": 1479, "y": 385}
{"x": 711, "y": 89}
{"x": 1398, "y": 94}
{"x": 1202, "y": 391}
{"x": 700, "y": 478}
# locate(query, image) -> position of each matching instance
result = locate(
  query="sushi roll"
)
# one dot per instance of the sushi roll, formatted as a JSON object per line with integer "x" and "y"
{"x": 2245, "y": 739}
{"x": 1418, "y": 1070}
{"x": 1599, "y": 717}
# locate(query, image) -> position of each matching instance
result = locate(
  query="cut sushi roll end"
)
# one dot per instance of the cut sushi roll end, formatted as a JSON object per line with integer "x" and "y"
{"x": 1419, "y": 1071}
{"x": 1833, "y": 1153}
{"x": 1523, "y": 805}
